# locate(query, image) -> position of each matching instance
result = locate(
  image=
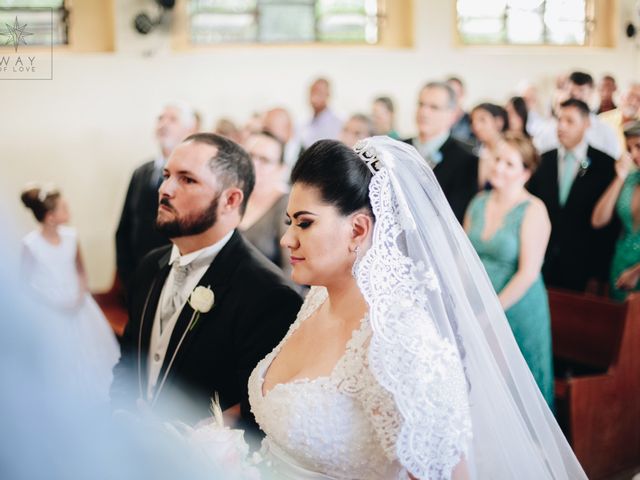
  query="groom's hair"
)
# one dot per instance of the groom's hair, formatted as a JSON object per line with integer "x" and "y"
{"x": 579, "y": 105}
{"x": 232, "y": 165}
{"x": 339, "y": 174}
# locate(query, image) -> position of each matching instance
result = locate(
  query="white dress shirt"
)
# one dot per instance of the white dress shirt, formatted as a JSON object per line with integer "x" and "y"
{"x": 324, "y": 125}
{"x": 580, "y": 156}
{"x": 430, "y": 150}
{"x": 201, "y": 259}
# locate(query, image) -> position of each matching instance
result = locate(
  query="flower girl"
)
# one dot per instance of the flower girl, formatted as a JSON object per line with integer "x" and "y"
{"x": 52, "y": 267}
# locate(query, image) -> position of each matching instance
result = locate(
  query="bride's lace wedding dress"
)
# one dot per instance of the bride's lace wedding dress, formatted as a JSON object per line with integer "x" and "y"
{"x": 319, "y": 428}
{"x": 346, "y": 425}
{"x": 432, "y": 376}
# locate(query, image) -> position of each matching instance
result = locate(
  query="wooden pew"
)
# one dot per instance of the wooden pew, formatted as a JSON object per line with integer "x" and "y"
{"x": 113, "y": 306}
{"x": 596, "y": 347}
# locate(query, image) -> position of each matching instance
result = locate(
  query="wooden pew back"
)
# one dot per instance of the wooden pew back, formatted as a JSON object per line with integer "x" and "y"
{"x": 586, "y": 330}
{"x": 597, "y": 407}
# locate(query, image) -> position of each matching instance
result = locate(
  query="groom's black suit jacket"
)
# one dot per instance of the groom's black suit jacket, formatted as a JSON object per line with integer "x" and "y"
{"x": 576, "y": 251}
{"x": 253, "y": 308}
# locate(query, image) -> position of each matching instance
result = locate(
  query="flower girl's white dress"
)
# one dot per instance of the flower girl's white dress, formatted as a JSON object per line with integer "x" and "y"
{"x": 51, "y": 273}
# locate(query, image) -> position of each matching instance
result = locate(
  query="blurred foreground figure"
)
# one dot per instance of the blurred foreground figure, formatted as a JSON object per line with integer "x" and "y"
{"x": 53, "y": 428}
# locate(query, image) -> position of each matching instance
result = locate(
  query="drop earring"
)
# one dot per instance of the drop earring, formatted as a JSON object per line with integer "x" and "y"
{"x": 354, "y": 267}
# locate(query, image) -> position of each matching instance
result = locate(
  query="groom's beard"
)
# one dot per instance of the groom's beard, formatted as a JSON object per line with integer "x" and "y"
{"x": 191, "y": 224}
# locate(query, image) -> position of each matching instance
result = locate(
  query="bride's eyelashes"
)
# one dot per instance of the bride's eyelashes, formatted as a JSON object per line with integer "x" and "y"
{"x": 302, "y": 223}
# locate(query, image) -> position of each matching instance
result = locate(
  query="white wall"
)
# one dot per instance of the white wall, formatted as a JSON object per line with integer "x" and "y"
{"x": 88, "y": 128}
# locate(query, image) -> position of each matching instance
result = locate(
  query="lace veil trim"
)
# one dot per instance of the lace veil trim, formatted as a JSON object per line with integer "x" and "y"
{"x": 409, "y": 359}
{"x": 441, "y": 345}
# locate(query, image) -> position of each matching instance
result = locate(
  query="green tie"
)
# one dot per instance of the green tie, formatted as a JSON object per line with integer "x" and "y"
{"x": 567, "y": 176}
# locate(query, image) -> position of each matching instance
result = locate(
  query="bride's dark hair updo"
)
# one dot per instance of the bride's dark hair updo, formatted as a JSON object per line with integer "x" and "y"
{"x": 338, "y": 173}
{"x": 40, "y": 201}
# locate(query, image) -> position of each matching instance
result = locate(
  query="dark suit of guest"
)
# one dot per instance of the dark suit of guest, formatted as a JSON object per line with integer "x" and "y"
{"x": 136, "y": 235}
{"x": 253, "y": 308}
{"x": 457, "y": 174}
{"x": 576, "y": 252}
{"x": 461, "y": 130}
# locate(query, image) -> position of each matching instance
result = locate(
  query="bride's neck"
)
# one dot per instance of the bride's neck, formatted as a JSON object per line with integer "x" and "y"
{"x": 346, "y": 300}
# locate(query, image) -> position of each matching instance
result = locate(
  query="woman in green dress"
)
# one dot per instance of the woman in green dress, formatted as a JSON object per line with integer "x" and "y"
{"x": 510, "y": 229}
{"x": 623, "y": 197}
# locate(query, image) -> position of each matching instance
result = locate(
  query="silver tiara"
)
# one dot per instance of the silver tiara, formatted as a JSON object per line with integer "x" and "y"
{"x": 369, "y": 155}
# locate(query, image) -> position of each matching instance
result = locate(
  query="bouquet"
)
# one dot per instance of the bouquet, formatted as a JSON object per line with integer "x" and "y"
{"x": 222, "y": 447}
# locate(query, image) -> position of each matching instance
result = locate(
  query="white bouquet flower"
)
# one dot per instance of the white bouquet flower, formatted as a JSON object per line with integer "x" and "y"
{"x": 222, "y": 447}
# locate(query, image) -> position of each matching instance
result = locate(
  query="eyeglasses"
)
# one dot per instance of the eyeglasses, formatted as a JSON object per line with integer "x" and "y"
{"x": 260, "y": 160}
{"x": 433, "y": 106}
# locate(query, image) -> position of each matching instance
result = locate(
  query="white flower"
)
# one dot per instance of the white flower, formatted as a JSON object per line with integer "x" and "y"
{"x": 223, "y": 448}
{"x": 201, "y": 299}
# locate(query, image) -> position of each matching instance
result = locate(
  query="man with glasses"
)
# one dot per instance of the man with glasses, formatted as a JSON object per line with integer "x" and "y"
{"x": 453, "y": 163}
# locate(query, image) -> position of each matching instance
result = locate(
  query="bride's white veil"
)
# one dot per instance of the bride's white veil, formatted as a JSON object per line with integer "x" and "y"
{"x": 441, "y": 343}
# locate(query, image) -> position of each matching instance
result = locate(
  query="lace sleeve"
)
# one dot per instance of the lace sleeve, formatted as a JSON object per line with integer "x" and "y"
{"x": 435, "y": 437}
{"x": 434, "y": 440}
{"x": 434, "y": 426}
{"x": 384, "y": 416}
{"x": 356, "y": 379}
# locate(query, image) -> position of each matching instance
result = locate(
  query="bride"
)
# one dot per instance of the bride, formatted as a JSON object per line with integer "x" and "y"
{"x": 401, "y": 363}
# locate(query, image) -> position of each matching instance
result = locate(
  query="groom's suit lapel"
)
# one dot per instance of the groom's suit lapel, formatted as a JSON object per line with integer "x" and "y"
{"x": 148, "y": 314}
{"x": 216, "y": 278}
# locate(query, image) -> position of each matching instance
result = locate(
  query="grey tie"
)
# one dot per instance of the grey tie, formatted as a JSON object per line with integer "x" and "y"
{"x": 176, "y": 297}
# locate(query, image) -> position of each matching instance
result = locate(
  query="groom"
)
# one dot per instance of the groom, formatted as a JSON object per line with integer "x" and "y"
{"x": 206, "y": 309}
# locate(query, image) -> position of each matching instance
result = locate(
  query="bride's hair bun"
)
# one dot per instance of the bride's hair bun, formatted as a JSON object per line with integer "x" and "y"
{"x": 40, "y": 200}
{"x": 339, "y": 174}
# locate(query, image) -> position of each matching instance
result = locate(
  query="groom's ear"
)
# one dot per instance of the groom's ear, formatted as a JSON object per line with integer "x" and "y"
{"x": 230, "y": 200}
{"x": 361, "y": 227}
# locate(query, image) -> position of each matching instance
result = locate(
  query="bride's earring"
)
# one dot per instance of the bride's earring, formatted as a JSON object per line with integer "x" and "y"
{"x": 354, "y": 267}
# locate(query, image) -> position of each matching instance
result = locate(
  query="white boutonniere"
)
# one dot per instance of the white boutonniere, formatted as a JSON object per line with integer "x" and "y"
{"x": 584, "y": 165}
{"x": 201, "y": 300}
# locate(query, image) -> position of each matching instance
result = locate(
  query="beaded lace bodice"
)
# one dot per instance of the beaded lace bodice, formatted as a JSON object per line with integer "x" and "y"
{"x": 343, "y": 425}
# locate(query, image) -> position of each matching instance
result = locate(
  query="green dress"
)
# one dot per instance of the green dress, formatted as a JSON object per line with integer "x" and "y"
{"x": 627, "y": 252}
{"x": 529, "y": 318}
{"x": 393, "y": 134}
